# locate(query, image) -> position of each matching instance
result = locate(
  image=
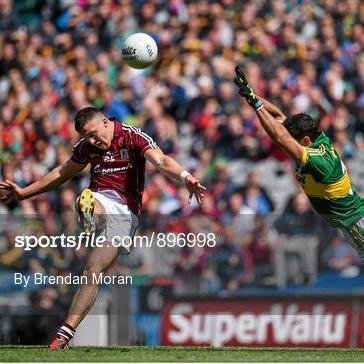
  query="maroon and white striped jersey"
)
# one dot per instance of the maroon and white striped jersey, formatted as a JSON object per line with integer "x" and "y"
{"x": 120, "y": 168}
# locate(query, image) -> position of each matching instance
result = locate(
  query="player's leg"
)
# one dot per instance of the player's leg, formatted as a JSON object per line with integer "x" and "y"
{"x": 355, "y": 235}
{"x": 118, "y": 221}
{"x": 99, "y": 261}
{"x": 92, "y": 217}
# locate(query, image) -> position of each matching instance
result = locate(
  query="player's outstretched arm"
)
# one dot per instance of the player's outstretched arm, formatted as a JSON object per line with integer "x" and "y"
{"x": 274, "y": 110}
{"x": 280, "y": 135}
{"x": 271, "y": 118}
{"x": 169, "y": 167}
{"x": 51, "y": 180}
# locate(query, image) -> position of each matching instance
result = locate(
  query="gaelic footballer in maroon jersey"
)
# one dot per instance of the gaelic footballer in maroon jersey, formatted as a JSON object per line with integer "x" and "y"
{"x": 117, "y": 154}
{"x": 121, "y": 167}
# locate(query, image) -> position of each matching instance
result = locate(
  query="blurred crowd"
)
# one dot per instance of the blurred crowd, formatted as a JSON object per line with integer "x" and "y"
{"x": 59, "y": 56}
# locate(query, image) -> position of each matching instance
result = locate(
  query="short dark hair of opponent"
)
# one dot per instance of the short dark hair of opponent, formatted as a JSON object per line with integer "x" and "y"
{"x": 301, "y": 125}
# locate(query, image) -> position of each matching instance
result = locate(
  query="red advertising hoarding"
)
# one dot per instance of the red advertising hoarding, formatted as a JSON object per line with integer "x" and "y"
{"x": 358, "y": 310}
{"x": 297, "y": 322}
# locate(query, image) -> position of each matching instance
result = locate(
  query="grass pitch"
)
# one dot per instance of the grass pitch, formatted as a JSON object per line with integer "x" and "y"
{"x": 177, "y": 354}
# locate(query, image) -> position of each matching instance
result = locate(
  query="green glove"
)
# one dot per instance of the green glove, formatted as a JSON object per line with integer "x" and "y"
{"x": 245, "y": 90}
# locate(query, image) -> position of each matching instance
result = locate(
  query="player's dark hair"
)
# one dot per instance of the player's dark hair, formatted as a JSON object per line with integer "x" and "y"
{"x": 84, "y": 115}
{"x": 301, "y": 125}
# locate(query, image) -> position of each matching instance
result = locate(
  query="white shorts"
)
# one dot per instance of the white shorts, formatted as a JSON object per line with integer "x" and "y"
{"x": 120, "y": 221}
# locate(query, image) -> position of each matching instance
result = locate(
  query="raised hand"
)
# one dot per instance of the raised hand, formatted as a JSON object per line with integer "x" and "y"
{"x": 245, "y": 89}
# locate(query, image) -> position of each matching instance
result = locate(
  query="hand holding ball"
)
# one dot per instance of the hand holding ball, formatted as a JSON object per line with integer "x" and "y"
{"x": 6, "y": 195}
{"x": 139, "y": 50}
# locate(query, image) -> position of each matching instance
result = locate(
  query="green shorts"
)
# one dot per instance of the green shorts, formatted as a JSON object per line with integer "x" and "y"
{"x": 355, "y": 235}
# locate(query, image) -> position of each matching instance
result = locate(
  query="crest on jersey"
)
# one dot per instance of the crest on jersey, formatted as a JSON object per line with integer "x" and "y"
{"x": 124, "y": 155}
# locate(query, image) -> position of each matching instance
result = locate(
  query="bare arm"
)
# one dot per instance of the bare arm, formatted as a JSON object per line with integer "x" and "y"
{"x": 270, "y": 116}
{"x": 170, "y": 168}
{"x": 275, "y": 111}
{"x": 54, "y": 178}
{"x": 167, "y": 165}
{"x": 279, "y": 134}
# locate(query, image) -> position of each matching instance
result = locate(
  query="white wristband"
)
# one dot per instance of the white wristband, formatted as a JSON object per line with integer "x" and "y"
{"x": 184, "y": 174}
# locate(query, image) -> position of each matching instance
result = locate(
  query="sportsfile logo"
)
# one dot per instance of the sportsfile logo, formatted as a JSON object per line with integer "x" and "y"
{"x": 92, "y": 240}
{"x": 278, "y": 326}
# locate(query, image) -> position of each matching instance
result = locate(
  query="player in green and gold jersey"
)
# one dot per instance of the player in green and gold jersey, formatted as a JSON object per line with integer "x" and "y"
{"x": 319, "y": 170}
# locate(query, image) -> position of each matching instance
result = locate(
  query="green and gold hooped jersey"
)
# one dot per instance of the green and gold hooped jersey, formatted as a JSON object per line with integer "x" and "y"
{"x": 326, "y": 182}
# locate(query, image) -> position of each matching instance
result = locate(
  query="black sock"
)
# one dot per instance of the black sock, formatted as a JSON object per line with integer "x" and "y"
{"x": 66, "y": 331}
